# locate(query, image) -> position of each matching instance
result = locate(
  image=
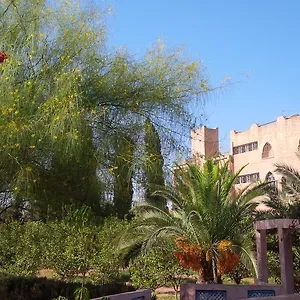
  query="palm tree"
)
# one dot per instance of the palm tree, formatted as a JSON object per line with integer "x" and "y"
{"x": 208, "y": 220}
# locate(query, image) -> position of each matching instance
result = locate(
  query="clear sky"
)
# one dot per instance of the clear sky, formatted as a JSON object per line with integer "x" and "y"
{"x": 255, "y": 42}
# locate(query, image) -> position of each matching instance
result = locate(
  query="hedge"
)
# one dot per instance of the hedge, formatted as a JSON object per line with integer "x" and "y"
{"x": 33, "y": 288}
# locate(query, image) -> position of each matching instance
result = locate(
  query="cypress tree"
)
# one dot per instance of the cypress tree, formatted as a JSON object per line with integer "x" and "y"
{"x": 154, "y": 175}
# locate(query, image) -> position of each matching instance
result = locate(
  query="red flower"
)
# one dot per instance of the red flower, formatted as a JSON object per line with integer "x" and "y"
{"x": 3, "y": 57}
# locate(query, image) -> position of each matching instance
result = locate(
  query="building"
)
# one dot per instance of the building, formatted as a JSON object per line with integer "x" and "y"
{"x": 259, "y": 148}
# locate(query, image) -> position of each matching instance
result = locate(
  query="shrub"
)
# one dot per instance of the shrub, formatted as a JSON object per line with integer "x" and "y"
{"x": 156, "y": 268}
{"x": 32, "y": 288}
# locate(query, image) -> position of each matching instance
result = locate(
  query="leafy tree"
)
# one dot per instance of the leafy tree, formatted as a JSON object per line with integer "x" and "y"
{"x": 22, "y": 248}
{"x": 78, "y": 246}
{"x": 64, "y": 100}
{"x": 154, "y": 164}
{"x": 155, "y": 268}
{"x": 207, "y": 221}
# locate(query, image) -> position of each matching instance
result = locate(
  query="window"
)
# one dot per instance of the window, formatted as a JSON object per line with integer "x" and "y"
{"x": 248, "y": 178}
{"x": 245, "y": 148}
{"x": 267, "y": 151}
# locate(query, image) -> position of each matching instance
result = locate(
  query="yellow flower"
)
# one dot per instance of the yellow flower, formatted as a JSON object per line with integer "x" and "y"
{"x": 32, "y": 146}
{"x": 55, "y": 137}
{"x": 16, "y": 188}
{"x": 28, "y": 169}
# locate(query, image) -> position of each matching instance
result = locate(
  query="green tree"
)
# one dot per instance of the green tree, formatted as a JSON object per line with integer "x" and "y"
{"x": 64, "y": 100}
{"x": 156, "y": 268}
{"x": 205, "y": 215}
{"x": 154, "y": 164}
{"x": 78, "y": 246}
{"x": 22, "y": 247}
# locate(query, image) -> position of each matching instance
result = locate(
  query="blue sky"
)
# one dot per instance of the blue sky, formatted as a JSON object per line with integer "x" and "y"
{"x": 254, "y": 42}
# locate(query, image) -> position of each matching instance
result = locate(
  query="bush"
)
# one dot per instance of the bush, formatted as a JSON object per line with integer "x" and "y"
{"x": 157, "y": 267}
{"x": 32, "y": 288}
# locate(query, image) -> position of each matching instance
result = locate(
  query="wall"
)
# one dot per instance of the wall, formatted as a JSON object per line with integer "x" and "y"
{"x": 282, "y": 297}
{"x": 233, "y": 292}
{"x": 283, "y": 135}
{"x": 205, "y": 142}
{"x": 136, "y": 295}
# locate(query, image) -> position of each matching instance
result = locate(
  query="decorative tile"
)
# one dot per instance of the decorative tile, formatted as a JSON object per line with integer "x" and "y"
{"x": 210, "y": 295}
{"x": 260, "y": 293}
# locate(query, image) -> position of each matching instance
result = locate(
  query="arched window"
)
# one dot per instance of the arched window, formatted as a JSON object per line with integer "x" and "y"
{"x": 267, "y": 151}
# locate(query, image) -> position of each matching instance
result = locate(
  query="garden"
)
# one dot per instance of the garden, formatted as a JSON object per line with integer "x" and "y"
{"x": 93, "y": 201}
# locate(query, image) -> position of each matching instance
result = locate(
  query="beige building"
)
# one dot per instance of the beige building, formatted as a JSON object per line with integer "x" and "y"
{"x": 259, "y": 148}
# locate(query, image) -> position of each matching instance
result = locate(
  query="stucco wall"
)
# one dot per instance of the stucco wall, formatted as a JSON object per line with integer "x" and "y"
{"x": 283, "y": 135}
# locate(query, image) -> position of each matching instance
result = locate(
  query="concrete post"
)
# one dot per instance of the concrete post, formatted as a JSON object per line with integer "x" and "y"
{"x": 286, "y": 260}
{"x": 262, "y": 260}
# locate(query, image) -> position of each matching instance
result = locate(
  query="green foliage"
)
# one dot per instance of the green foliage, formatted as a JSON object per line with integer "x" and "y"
{"x": 64, "y": 100}
{"x": 239, "y": 273}
{"x": 82, "y": 294}
{"x": 154, "y": 164}
{"x": 22, "y": 247}
{"x": 33, "y": 288}
{"x": 73, "y": 248}
{"x": 156, "y": 268}
{"x": 122, "y": 172}
{"x": 83, "y": 247}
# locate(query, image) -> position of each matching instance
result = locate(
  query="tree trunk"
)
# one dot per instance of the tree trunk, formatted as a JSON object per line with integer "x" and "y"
{"x": 201, "y": 277}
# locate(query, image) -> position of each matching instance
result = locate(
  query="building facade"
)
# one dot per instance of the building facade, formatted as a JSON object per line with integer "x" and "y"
{"x": 259, "y": 148}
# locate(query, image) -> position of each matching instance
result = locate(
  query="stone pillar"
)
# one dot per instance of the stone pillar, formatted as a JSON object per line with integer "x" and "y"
{"x": 286, "y": 260}
{"x": 262, "y": 260}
